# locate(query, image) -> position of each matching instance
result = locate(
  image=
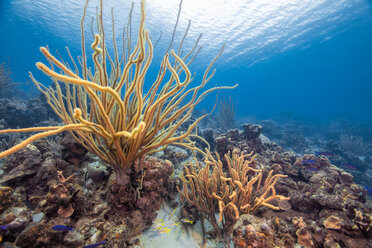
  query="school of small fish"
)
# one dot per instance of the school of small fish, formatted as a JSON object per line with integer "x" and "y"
{"x": 161, "y": 225}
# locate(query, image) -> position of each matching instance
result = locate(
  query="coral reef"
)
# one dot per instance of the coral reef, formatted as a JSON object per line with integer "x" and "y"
{"x": 43, "y": 196}
{"x": 253, "y": 231}
{"x": 326, "y": 208}
{"x": 21, "y": 113}
{"x": 317, "y": 190}
{"x": 240, "y": 191}
{"x": 5, "y": 197}
{"x": 109, "y": 114}
{"x": 121, "y": 126}
{"x": 141, "y": 203}
{"x": 104, "y": 181}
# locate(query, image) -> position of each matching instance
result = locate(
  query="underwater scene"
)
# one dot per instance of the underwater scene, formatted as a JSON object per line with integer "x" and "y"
{"x": 166, "y": 124}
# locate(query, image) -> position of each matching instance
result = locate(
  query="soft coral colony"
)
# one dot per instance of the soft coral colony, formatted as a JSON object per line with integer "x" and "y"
{"x": 240, "y": 191}
{"x": 109, "y": 112}
{"x": 107, "y": 109}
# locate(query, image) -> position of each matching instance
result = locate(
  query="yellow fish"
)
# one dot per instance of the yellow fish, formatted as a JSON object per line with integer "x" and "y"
{"x": 158, "y": 220}
{"x": 170, "y": 216}
{"x": 164, "y": 230}
{"x": 159, "y": 226}
{"x": 184, "y": 220}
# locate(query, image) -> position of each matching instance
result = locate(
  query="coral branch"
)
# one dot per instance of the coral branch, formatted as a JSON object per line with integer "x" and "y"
{"x": 107, "y": 109}
{"x": 237, "y": 197}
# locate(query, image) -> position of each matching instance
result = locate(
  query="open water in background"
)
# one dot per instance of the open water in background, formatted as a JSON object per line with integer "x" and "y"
{"x": 310, "y": 60}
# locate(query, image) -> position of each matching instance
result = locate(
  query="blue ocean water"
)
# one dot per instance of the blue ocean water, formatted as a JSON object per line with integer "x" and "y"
{"x": 311, "y": 60}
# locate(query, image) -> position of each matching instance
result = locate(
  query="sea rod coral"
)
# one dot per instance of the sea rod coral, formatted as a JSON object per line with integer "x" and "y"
{"x": 107, "y": 108}
{"x": 240, "y": 191}
{"x": 5, "y": 76}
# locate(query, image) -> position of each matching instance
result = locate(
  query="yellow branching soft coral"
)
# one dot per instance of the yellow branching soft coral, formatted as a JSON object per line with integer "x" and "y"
{"x": 240, "y": 191}
{"x": 107, "y": 108}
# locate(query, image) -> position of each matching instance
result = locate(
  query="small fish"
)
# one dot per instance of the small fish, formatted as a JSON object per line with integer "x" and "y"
{"x": 164, "y": 230}
{"x": 158, "y": 227}
{"x": 327, "y": 154}
{"x": 62, "y": 228}
{"x": 175, "y": 224}
{"x": 349, "y": 166}
{"x": 96, "y": 244}
{"x": 184, "y": 220}
{"x": 158, "y": 220}
{"x": 3, "y": 228}
{"x": 170, "y": 216}
{"x": 369, "y": 190}
{"x": 309, "y": 161}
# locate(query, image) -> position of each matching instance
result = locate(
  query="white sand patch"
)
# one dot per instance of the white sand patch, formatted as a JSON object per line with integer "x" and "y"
{"x": 179, "y": 236}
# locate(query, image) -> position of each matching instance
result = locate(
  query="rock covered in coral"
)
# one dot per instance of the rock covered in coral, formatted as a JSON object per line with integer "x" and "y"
{"x": 37, "y": 109}
{"x": 222, "y": 145}
{"x": 14, "y": 220}
{"x": 304, "y": 237}
{"x": 363, "y": 222}
{"x": 174, "y": 154}
{"x": 252, "y": 231}
{"x": 96, "y": 175}
{"x": 42, "y": 235}
{"x": 21, "y": 165}
{"x": 252, "y": 131}
{"x": 317, "y": 190}
{"x": 20, "y": 113}
{"x": 248, "y": 140}
{"x": 334, "y": 209}
{"x": 346, "y": 178}
{"x": 11, "y": 110}
{"x": 72, "y": 151}
{"x": 140, "y": 199}
{"x": 5, "y": 197}
{"x": 310, "y": 161}
{"x": 208, "y": 135}
{"x": 64, "y": 199}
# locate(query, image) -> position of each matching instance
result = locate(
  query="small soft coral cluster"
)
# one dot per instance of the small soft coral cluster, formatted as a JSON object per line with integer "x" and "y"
{"x": 240, "y": 190}
{"x": 64, "y": 198}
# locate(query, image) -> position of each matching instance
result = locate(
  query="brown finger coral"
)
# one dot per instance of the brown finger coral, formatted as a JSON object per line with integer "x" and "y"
{"x": 240, "y": 191}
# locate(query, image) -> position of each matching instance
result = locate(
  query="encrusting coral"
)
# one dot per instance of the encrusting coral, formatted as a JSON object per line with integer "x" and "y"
{"x": 333, "y": 222}
{"x": 241, "y": 191}
{"x": 5, "y": 197}
{"x": 107, "y": 109}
